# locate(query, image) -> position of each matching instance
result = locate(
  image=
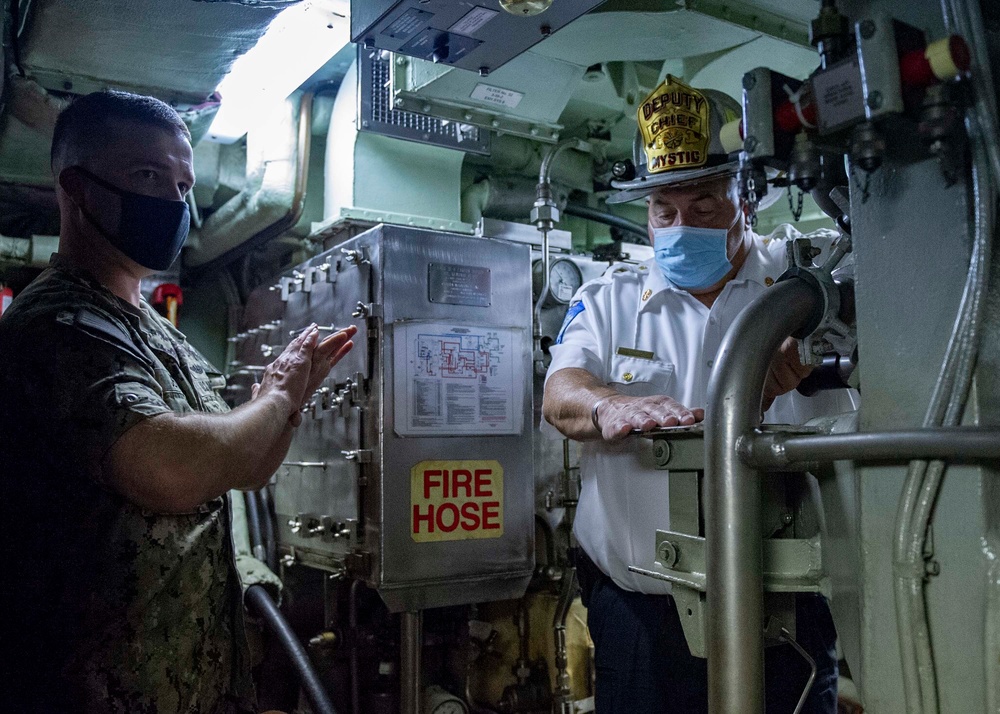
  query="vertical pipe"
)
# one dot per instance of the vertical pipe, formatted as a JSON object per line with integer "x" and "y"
{"x": 563, "y": 698}
{"x": 733, "y": 509}
{"x": 544, "y": 294}
{"x": 411, "y": 646}
{"x": 352, "y": 624}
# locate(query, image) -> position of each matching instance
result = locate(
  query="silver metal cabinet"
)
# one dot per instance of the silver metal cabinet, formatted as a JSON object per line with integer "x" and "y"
{"x": 412, "y": 468}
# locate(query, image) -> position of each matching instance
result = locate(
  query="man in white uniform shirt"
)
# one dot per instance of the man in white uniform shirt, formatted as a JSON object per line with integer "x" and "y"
{"x": 636, "y": 351}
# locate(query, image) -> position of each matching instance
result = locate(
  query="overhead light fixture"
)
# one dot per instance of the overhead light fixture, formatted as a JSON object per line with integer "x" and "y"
{"x": 525, "y": 8}
{"x": 299, "y": 41}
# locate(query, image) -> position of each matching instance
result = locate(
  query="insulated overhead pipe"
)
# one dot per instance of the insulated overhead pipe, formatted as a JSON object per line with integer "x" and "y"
{"x": 734, "y": 513}
{"x": 291, "y": 217}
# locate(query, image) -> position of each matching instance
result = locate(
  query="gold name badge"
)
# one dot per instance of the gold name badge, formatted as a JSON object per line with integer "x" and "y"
{"x": 674, "y": 121}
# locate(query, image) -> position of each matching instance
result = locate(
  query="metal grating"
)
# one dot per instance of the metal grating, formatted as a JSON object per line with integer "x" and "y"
{"x": 379, "y": 116}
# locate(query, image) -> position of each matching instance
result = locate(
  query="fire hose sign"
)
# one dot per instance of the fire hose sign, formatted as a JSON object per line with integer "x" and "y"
{"x": 456, "y": 500}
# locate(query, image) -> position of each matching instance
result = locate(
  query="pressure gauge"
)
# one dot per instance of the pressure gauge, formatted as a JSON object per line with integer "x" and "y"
{"x": 565, "y": 279}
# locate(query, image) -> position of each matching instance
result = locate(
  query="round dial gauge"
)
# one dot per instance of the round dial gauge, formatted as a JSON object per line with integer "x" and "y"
{"x": 565, "y": 279}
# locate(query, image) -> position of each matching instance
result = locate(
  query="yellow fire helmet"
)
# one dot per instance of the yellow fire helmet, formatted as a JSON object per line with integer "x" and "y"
{"x": 678, "y": 140}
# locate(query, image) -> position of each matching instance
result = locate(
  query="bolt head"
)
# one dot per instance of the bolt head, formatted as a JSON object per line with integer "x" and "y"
{"x": 875, "y": 100}
{"x": 867, "y": 29}
{"x": 667, "y": 553}
{"x": 749, "y": 81}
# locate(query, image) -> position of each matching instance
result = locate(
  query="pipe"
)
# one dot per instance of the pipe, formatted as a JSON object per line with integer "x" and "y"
{"x": 770, "y": 451}
{"x": 964, "y": 17}
{"x": 352, "y": 623}
{"x": 35, "y": 252}
{"x": 260, "y": 603}
{"x": 550, "y": 546}
{"x": 563, "y": 695}
{"x": 295, "y": 208}
{"x": 545, "y": 224}
{"x": 733, "y": 513}
{"x": 267, "y": 529}
{"x": 545, "y": 170}
{"x": 542, "y": 296}
{"x": 411, "y": 646}
{"x": 253, "y": 526}
{"x": 607, "y": 218}
{"x": 16, "y": 249}
{"x": 15, "y": 43}
{"x": 787, "y": 637}
{"x": 915, "y": 644}
{"x": 923, "y": 480}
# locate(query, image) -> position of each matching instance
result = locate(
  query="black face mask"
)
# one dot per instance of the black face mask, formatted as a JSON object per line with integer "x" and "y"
{"x": 151, "y": 231}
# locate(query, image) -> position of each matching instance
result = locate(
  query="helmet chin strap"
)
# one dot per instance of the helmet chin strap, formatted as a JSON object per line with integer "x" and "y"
{"x": 743, "y": 241}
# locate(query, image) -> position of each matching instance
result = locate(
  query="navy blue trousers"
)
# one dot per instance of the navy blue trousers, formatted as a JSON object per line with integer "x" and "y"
{"x": 644, "y": 665}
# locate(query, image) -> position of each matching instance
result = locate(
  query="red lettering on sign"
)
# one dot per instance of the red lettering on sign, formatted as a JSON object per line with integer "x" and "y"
{"x": 447, "y": 527}
{"x": 417, "y": 518}
{"x": 470, "y": 516}
{"x": 461, "y": 479}
{"x": 491, "y": 510}
{"x": 428, "y": 483}
{"x": 482, "y": 482}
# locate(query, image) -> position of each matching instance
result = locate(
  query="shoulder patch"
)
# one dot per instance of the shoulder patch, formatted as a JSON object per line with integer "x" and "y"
{"x": 574, "y": 309}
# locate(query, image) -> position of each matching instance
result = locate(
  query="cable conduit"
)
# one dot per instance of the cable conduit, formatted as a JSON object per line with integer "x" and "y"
{"x": 608, "y": 219}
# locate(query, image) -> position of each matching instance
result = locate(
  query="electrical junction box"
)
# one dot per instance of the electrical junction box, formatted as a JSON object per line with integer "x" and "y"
{"x": 477, "y": 35}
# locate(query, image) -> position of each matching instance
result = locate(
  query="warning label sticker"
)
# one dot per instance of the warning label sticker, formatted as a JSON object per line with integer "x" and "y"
{"x": 456, "y": 500}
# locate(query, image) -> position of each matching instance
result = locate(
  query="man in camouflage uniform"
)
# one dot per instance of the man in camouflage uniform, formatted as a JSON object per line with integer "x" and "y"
{"x": 117, "y": 455}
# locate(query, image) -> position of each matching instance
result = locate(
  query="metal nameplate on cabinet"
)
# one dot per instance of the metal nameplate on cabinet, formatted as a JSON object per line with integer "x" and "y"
{"x": 458, "y": 284}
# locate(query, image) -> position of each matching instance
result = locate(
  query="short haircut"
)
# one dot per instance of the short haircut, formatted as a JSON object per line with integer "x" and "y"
{"x": 86, "y": 126}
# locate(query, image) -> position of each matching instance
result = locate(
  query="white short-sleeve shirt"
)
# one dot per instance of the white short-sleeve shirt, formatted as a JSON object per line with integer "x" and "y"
{"x": 624, "y": 498}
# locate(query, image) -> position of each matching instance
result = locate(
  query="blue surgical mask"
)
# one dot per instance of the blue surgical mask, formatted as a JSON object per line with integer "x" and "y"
{"x": 151, "y": 231}
{"x": 692, "y": 258}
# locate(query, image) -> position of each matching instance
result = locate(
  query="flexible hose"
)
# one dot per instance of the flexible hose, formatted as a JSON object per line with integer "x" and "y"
{"x": 260, "y": 603}
{"x": 267, "y": 529}
{"x": 253, "y": 526}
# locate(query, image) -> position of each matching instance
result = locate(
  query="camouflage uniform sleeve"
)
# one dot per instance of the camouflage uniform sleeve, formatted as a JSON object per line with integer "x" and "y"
{"x": 97, "y": 384}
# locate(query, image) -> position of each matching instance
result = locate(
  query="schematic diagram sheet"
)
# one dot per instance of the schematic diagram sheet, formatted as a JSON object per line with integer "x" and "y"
{"x": 456, "y": 379}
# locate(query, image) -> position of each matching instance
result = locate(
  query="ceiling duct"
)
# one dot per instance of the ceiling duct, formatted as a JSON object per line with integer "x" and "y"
{"x": 177, "y": 50}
